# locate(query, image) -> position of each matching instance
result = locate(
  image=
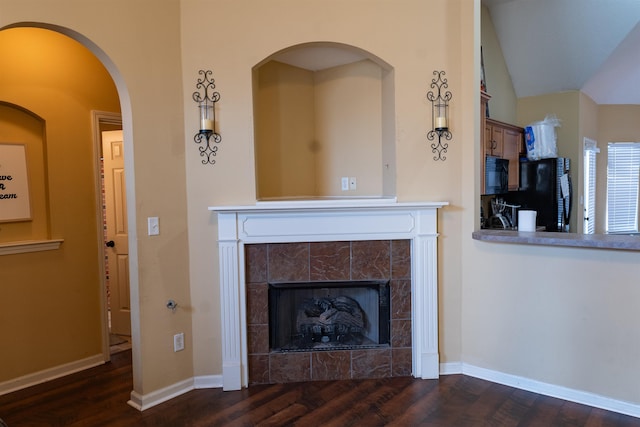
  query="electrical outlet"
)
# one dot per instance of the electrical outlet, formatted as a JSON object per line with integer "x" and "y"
{"x": 345, "y": 183}
{"x": 352, "y": 183}
{"x": 178, "y": 342}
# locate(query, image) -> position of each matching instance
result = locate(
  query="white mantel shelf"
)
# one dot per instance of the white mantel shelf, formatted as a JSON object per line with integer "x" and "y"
{"x": 327, "y": 220}
{"x": 328, "y": 204}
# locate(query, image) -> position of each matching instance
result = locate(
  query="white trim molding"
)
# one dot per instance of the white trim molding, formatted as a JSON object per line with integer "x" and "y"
{"x": 143, "y": 402}
{"x": 146, "y": 401}
{"x": 546, "y": 389}
{"x": 50, "y": 374}
{"x": 328, "y": 220}
{"x": 207, "y": 381}
{"x": 29, "y": 246}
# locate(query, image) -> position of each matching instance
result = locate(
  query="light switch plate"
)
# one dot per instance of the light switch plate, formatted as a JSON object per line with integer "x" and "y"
{"x": 153, "y": 226}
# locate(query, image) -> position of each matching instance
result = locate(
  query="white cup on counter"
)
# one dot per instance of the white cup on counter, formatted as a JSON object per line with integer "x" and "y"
{"x": 527, "y": 220}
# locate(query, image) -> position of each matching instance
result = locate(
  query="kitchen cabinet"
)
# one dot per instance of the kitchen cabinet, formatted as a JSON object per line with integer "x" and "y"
{"x": 494, "y": 139}
{"x": 513, "y": 147}
{"x": 484, "y": 99}
{"x": 502, "y": 140}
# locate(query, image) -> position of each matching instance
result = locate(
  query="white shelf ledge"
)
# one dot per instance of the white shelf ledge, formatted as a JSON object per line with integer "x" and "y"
{"x": 29, "y": 246}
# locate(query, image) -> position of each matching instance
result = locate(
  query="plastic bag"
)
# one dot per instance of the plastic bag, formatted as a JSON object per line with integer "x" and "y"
{"x": 541, "y": 139}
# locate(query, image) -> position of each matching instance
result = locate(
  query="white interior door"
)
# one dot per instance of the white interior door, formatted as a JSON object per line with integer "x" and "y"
{"x": 117, "y": 249}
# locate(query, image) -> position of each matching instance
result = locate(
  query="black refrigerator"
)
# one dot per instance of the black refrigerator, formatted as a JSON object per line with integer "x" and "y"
{"x": 545, "y": 186}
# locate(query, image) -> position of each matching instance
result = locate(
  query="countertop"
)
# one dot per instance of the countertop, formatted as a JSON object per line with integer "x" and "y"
{"x": 545, "y": 238}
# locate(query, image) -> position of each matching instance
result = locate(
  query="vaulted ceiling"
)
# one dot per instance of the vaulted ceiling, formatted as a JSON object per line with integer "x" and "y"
{"x": 560, "y": 45}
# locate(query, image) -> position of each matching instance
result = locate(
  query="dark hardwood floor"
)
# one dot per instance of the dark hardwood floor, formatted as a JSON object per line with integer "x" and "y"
{"x": 98, "y": 396}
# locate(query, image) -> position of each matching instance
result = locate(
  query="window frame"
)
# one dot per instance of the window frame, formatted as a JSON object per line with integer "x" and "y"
{"x": 589, "y": 199}
{"x": 623, "y": 187}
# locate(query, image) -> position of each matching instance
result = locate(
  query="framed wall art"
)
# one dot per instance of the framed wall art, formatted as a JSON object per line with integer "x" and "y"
{"x": 14, "y": 183}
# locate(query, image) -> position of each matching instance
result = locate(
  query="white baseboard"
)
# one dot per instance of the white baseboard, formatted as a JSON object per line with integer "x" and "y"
{"x": 50, "y": 374}
{"x": 539, "y": 387}
{"x": 142, "y": 402}
{"x": 450, "y": 368}
{"x": 208, "y": 381}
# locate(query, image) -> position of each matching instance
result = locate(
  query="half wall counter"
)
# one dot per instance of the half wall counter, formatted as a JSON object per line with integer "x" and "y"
{"x": 545, "y": 238}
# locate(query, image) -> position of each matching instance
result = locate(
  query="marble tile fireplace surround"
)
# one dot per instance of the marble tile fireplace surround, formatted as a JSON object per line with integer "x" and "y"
{"x": 318, "y": 262}
{"x": 332, "y": 239}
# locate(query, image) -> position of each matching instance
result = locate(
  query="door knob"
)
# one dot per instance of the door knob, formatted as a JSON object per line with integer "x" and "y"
{"x": 110, "y": 244}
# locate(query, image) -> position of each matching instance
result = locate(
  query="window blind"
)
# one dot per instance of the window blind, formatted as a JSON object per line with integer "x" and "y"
{"x": 623, "y": 173}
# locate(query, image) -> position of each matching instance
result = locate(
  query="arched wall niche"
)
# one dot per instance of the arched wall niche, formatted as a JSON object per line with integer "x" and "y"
{"x": 324, "y": 111}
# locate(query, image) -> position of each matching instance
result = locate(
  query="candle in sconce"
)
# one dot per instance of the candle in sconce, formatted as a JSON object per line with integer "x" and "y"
{"x": 206, "y": 124}
{"x": 206, "y": 117}
{"x": 441, "y": 123}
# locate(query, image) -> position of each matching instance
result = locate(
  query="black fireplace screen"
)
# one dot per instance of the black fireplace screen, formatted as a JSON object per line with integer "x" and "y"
{"x": 328, "y": 315}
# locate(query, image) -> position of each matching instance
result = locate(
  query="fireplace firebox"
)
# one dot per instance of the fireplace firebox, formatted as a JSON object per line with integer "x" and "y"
{"x": 318, "y": 316}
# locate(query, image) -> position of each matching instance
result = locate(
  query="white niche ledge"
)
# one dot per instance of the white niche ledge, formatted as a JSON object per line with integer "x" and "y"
{"x": 29, "y": 246}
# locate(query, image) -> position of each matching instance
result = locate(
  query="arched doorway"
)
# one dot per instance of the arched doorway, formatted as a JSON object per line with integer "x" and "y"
{"x": 61, "y": 279}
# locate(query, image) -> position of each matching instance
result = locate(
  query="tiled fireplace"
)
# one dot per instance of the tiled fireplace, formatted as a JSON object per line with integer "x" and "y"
{"x": 328, "y": 240}
{"x": 346, "y": 266}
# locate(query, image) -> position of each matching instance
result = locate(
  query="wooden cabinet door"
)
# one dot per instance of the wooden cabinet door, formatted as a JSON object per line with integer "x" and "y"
{"x": 505, "y": 141}
{"x": 488, "y": 140}
{"x": 485, "y": 136}
{"x": 493, "y": 140}
{"x": 497, "y": 141}
{"x": 511, "y": 152}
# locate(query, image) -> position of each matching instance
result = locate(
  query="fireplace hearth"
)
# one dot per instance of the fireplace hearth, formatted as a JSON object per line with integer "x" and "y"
{"x": 317, "y": 316}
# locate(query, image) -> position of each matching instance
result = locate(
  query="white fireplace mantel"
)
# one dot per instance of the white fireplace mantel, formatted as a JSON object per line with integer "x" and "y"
{"x": 328, "y": 220}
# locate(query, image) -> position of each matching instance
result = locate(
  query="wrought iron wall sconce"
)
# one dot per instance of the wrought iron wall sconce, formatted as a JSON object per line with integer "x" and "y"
{"x": 206, "y": 97}
{"x": 439, "y": 98}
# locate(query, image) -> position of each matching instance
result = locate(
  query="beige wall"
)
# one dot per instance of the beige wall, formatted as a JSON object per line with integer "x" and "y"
{"x": 503, "y": 102}
{"x": 367, "y": 26}
{"x": 558, "y": 315}
{"x": 563, "y": 105}
{"x": 348, "y": 106}
{"x": 314, "y": 127}
{"x": 285, "y": 131}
